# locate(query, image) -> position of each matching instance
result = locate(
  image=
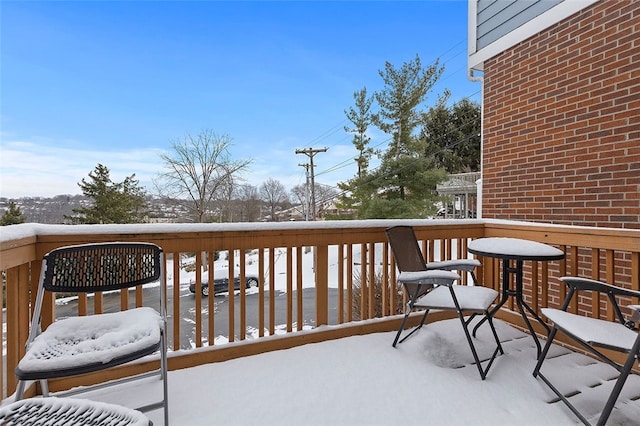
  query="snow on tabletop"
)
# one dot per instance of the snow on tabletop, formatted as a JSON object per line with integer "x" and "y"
{"x": 513, "y": 246}
{"x": 91, "y": 339}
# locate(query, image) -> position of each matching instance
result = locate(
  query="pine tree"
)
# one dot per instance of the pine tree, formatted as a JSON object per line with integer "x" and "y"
{"x": 113, "y": 202}
{"x": 403, "y": 186}
{"x": 361, "y": 118}
{"x": 451, "y": 136}
{"x": 12, "y": 216}
{"x": 404, "y": 90}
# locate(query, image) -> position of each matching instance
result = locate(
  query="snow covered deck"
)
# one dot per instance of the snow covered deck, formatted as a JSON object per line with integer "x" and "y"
{"x": 362, "y": 380}
{"x": 359, "y": 379}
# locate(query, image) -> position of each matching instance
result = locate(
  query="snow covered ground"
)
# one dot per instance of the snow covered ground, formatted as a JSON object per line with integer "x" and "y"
{"x": 362, "y": 380}
{"x": 280, "y": 265}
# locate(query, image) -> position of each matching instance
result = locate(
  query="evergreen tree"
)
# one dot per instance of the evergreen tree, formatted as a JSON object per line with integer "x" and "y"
{"x": 451, "y": 136}
{"x": 404, "y": 183}
{"x": 467, "y": 117}
{"x": 113, "y": 202}
{"x": 405, "y": 188}
{"x": 404, "y": 90}
{"x": 356, "y": 192}
{"x": 12, "y": 216}
{"x": 361, "y": 118}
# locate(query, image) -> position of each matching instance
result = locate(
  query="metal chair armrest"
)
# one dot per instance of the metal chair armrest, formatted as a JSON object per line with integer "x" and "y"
{"x": 430, "y": 277}
{"x": 577, "y": 284}
{"x": 467, "y": 265}
{"x": 635, "y": 317}
{"x": 580, "y": 284}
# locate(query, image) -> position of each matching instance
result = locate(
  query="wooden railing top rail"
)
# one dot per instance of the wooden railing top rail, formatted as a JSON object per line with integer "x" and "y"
{"x": 608, "y": 238}
{"x": 17, "y": 241}
{"x": 27, "y": 242}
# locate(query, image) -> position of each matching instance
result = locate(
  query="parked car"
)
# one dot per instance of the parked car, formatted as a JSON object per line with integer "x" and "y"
{"x": 221, "y": 282}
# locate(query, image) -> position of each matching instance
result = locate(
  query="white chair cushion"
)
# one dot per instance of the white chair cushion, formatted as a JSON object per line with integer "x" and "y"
{"x": 474, "y": 298}
{"x": 592, "y": 330}
{"x": 77, "y": 341}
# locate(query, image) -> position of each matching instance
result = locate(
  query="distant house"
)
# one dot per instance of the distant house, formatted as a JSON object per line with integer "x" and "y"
{"x": 461, "y": 192}
{"x": 561, "y": 109}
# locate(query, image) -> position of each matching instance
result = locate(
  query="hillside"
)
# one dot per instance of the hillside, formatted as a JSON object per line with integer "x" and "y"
{"x": 52, "y": 210}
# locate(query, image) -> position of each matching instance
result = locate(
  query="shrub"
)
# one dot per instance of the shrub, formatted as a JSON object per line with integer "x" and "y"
{"x": 379, "y": 286}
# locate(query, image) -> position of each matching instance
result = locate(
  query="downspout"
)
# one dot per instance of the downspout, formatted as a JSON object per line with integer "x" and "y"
{"x": 480, "y": 79}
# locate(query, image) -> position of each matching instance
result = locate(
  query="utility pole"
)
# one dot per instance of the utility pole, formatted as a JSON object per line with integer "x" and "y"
{"x": 310, "y": 152}
{"x": 306, "y": 191}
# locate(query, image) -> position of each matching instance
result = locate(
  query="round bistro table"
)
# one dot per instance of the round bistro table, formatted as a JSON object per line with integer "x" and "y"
{"x": 517, "y": 249}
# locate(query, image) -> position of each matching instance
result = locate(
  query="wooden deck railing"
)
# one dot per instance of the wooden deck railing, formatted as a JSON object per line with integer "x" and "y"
{"x": 611, "y": 255}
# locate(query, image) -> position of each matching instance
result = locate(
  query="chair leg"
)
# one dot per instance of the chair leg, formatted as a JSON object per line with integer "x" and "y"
{"x": 465, "y": 325}
{"x": 538, "y": 373}
{"x": 404, "y": 322}
{"x": 472, "y": 346}
{"x": 164, "y": 367}
{"x": 495, "y": 335}
{"x": 20, "y": 390}
{"x": 613, "y": 397}
{"x": 544, "y": 352}
{"x": 45, "y": 387}
{"x": 617, "y": 388}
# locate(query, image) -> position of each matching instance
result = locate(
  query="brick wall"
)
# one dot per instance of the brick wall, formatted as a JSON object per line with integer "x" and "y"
{"x": 562, "y": 122}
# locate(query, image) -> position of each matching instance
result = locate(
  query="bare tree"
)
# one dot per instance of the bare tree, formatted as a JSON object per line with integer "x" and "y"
{"x": 325, "y": 194}
{"x": 198, "y": 170}
{"x": 300, "y": 195}
{"x": 274, "y": 194}
{"x": 249, "y": 203}
{"x": 225, "y": 196}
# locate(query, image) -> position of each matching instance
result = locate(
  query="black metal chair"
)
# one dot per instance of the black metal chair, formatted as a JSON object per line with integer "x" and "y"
{"x": 86, "y": 344}
{"x": 431, "y": 286}
{"x": 594, "y": 335}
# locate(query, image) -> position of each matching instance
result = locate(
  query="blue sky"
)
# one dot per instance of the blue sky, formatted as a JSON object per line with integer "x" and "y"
{"x": 117, "y": 82}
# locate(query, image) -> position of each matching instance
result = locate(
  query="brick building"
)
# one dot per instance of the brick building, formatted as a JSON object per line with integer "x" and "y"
{"x": 561, "y": 110}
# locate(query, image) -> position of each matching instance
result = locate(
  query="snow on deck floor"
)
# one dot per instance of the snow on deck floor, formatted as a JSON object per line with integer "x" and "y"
{"x": 362, "y": 380}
